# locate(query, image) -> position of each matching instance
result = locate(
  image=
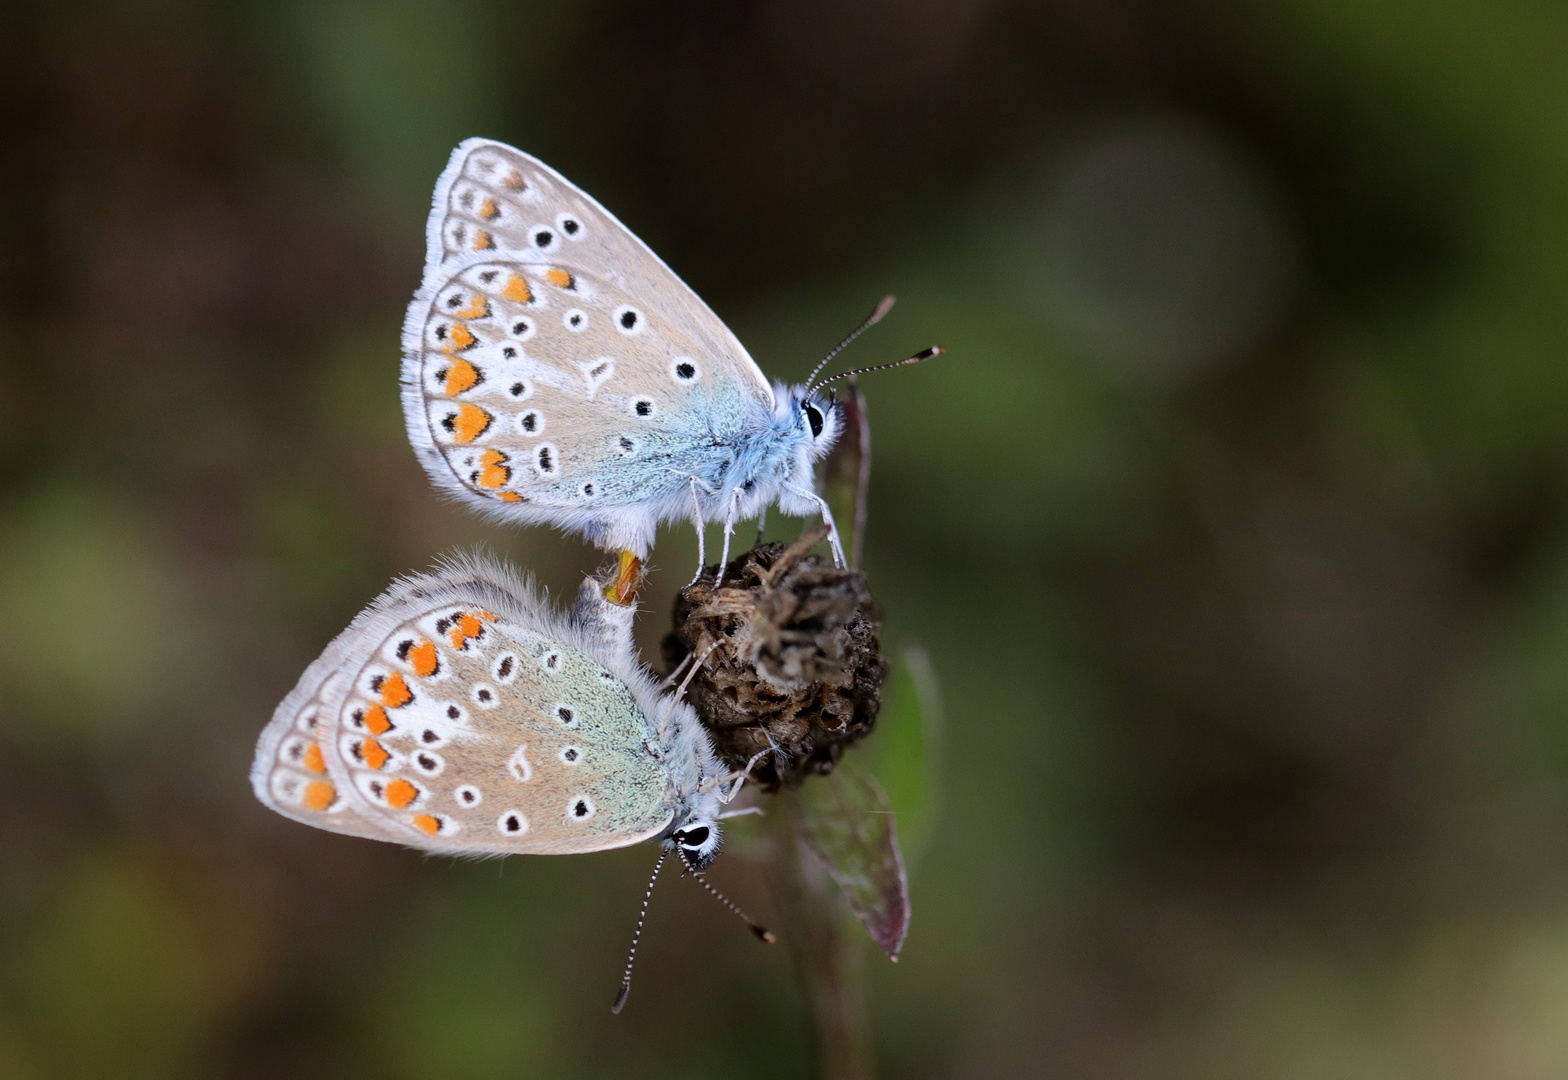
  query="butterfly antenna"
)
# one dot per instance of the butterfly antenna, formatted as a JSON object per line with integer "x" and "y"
{"x": 871, "y": 320}
{"x": 626, "y": 979}
{"x": 763, "y": 933}
{"x": 923, "y": 354}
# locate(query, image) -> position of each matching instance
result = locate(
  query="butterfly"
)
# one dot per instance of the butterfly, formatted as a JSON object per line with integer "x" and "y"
{"x": 460, "y": 714}
{"x": 557, "y": 371}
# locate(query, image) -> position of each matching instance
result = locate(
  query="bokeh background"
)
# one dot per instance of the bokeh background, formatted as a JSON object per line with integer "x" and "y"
{"x": 1233, "y": 523}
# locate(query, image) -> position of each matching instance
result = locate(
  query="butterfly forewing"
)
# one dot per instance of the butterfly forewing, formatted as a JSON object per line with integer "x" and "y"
{"x": 495, "y": 199}
{"x": 440, "y": 723}
{"x": 552, "y": 362}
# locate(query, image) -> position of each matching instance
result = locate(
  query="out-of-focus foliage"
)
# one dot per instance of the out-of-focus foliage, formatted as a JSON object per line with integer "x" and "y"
{"x": 1234, "y": 523}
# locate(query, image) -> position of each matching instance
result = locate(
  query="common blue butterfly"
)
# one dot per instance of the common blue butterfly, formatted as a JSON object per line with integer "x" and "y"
{"x": 460, "y": 714}
{"x": 557, "y": 371}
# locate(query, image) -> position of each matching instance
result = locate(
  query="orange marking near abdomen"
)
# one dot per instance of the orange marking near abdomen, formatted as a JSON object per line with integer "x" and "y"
{"x": 395, "y": 692}
{"x": 427, "y": 823}
{"x": 319, "y": 795}
{"x": 400, "y": 793}
{"x": 461, "y": 376}
{"x": 374, "y": 753}
{"x": 493, "y": 472}
{"x": 516, "y": 290}
{"x": 488, "y": 211}
{"x": 469, "y": 423}
{"x": 461, "y": 337}
{"x": 376, "y": 721}
{"x": 477, "y": 308}
{"x": 423, "y": 658}
{"x": 482, "y": 241}
{"x": 559, "y": 278}
{"x": 313, "y": 759}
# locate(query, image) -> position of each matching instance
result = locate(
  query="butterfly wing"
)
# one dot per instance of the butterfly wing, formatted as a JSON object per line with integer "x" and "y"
{"x": 459, "y": 715}
{"x": 555, "y": 369}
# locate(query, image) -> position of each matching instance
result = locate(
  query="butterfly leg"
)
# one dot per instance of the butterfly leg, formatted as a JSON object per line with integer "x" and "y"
{"x": 729, "y": 530}
{"x": 742, "y": 812}
{"x": 827, "y": 519}
{"x": 696, "y": 520}
{"x": 762, "y": 525}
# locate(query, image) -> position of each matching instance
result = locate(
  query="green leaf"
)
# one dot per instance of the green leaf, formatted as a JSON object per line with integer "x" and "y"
{"x": 846, "y": 474}
{"x": 906, "y": 750}
{"x": 845, "y": 820}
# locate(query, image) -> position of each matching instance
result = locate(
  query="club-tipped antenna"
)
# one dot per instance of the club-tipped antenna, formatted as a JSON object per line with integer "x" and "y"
{"x": 923, "y": 354}
{"x": 762, "y": 932}
{"x": 626, "y": 979}
{"x": 885, "y": 306}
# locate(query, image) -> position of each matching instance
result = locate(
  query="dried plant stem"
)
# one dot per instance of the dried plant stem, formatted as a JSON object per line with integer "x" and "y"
{"x": 825, "y": 948}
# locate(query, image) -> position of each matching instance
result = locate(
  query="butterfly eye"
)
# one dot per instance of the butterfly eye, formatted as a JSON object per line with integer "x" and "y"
{"x": 693, "y": 838}
{"x": 814, "y": 418}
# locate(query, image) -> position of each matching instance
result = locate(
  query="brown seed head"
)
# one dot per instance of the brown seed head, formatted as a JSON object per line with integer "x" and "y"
{"x": 795, "y": 662}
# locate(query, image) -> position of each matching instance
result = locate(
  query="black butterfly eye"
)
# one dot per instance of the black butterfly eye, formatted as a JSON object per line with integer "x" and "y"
{"x": 814, "y": 418}
{"x": 694, "y": 838}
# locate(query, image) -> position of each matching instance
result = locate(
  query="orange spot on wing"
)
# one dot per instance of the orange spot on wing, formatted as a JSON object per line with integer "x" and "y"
{"x": 488, "y": 211}
{"x": 376, "y": 721}
{"x": 559, "y": 278}
{"x": 511, "y": 496}
{"x": 427, "y": 823}
{"x": 395, "y": 692}
{"x": 486, "y": 616}
{"x": 461, "y": 337}
{"x": 319, "y": 795}
{"x": 516, "y": 290}
{"x": 374, "y": 753}
{"x": 477, "y": 308}
{"x": 482, "y": 240}
{"x": 514, "y": 181}
{"x": 467, "y": 626}
{"x": 461, "y": 376}
{"x": 493, "y": 473}
{"x": 313, "y": 759}
{"x": 400, "y": 793}
{"x": 423, "y": 659}
{"x": 470, "y": 423}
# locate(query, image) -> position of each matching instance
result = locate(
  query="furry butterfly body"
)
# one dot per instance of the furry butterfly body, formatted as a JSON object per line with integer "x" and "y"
{"x": 557, "y": 372}
{"x": 460, "y": 714}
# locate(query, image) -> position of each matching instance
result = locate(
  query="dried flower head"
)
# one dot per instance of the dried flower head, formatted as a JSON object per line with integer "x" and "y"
{"x": 790, "y": 659}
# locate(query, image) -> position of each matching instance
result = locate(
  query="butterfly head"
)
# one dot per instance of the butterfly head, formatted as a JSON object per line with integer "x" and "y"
{"x": 697, "y": 840}
{"x": 816, "y": 418}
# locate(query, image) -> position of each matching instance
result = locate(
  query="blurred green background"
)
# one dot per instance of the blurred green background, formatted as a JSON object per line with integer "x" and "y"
{"x": 1235, "y": 523}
